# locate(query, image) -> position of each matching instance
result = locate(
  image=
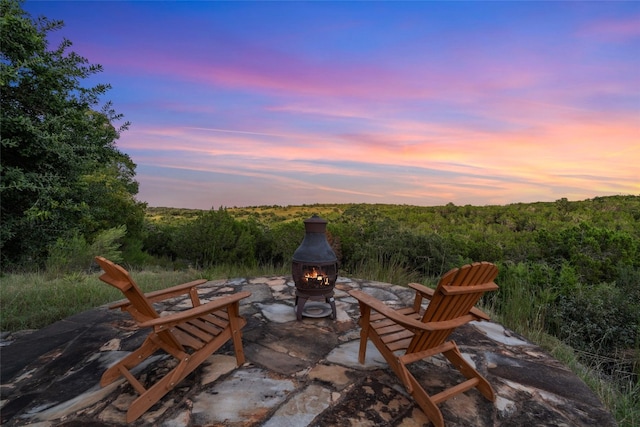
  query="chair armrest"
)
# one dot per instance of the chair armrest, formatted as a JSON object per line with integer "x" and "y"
{"x": 166, "y": 322}
{"x": 429, "y": 293}
{"x": 422, "y": 289}
{"x": 461, "y": 290}
{"x": 408, "y": 322}
{"x": 163, "y": 294}
{"x": 173, "y": 291}
{"x": 377, "y": 305}
{"x": 479, "y": 314}
{"x": 421, "y": 292}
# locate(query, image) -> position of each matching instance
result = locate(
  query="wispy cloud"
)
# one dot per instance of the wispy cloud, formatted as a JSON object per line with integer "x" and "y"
{"x": 422, "y": 103}
{"x": 619, "y": 29}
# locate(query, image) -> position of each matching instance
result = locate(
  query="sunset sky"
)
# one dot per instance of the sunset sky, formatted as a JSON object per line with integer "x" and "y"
{"x": 420, "y": 103}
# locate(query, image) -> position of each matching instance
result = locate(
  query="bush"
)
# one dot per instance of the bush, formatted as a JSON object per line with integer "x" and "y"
{"x": 526, "y": 292}
{"x": 600, "y": 319}
{"x": 74, "y": 254}
{"x": 68, "y": 254}
{"x": 213, "y": 238}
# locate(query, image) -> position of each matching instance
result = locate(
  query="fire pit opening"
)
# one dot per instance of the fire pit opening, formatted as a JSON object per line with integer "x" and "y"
{"x": 315, "y": 270}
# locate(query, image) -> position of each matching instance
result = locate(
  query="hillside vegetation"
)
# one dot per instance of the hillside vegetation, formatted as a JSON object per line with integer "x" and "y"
{"x": 571, "y": 269}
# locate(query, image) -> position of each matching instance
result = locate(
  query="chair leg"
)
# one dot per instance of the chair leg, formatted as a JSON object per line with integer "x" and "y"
{"x": 235, "y": 324}
{"x": 158, "y": 390}
{"x": 428, "y": 403}
{"x": 362, "y": 353}
{"x": 147, "y": 348}
{"x": 365, "y": 313}
{"x": 423, "y": 399}
{"x": 140, "y": 406}
{"x": 187, "y": 364}
{"x": 483, "y": 386}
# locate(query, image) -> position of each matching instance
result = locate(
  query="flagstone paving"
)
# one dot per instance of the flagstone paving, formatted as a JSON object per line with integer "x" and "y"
{"x": 298, "y": 373}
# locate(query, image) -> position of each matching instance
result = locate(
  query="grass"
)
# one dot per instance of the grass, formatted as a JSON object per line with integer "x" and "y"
{"x": 230, "y": 271}
{"x": 34, "y": 300}
{"x": 391, "y": 271}
{"x": 621, "y": 395}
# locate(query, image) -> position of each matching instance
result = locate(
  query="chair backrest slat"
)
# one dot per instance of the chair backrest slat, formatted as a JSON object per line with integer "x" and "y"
{"x": 120, "y": 278}
{"x": 140, "y": 309}
{"x": 451, "y": 301}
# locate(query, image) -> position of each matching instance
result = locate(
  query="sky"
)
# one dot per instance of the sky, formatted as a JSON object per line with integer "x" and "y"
{"x": 236, "y": 104}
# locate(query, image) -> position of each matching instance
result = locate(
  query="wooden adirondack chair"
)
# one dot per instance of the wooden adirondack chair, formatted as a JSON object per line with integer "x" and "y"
{"x": 190, "y": 336}
{"x": 407, "y": 335}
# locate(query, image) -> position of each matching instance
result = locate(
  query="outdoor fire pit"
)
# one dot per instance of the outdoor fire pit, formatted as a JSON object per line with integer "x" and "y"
{"x": 314, "y": 269}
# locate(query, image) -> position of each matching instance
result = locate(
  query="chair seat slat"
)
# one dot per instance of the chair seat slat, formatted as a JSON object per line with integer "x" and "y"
{"x": 211, "y": 329}
{"x": 186, "y": 339}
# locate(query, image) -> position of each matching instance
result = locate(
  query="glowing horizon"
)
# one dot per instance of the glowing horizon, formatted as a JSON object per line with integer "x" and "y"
{"x": 423, "y": 103}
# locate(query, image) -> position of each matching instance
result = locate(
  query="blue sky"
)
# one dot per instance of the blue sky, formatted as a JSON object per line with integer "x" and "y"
{"x": 422, "y": 103}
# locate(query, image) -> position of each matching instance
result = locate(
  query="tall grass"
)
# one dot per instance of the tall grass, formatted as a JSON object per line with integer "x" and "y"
{"x": 388, "y": 271}
{"x": 620, "y": 395}
{"x": 234, "y": 270}
{"x": 34, "y": 300}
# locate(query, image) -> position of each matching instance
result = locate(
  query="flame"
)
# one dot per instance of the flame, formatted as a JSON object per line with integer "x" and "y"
{"x": 313, "y": 274}
{"x": 317, "y": 276}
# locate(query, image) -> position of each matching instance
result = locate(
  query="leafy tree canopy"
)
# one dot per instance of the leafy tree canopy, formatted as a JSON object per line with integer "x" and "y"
{"x": 58, "y": 148}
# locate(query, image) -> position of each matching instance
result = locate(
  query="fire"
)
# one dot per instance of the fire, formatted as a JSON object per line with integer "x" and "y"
{"x": 316, "y": 276}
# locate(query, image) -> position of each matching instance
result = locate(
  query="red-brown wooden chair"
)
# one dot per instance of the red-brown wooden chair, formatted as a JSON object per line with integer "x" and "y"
{"x": 190, "y": 336}
{"x": 407, "y": 335}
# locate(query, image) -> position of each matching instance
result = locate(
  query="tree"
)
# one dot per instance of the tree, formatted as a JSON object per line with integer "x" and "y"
{"x": 56, "y": 147}
{"x": 215, "y": 238}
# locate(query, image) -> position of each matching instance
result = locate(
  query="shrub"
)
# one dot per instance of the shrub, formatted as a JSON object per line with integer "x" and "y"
{"x": 74, "y": 254}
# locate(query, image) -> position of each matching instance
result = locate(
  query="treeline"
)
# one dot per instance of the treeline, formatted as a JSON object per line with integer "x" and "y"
{"x": 594, "y": 237}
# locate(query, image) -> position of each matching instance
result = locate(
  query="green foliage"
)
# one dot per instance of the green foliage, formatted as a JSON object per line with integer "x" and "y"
{"x": 73, "y": 253}
{"x": 34, "y": 300}
{"x": 281, "y": 241}
{"x": 368, "y": 235}
{"x": 158, "y": 240}
{"x": 108, "y": 195}
{"x": 214, "y": 237}
{"x": 526, "y": 292}
{"x": 107, "y": 244}
{"x": 571, "y": 268}
{"x": 68, "y": 254}
{"x": 386, "y": 270}
{"x": 599, "y": 318}
{"x": 595, "y": 252}
{"x": 61, "y": 173}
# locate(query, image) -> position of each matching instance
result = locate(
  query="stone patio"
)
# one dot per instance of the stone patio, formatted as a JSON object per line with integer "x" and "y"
{"x": 298, "y": 373}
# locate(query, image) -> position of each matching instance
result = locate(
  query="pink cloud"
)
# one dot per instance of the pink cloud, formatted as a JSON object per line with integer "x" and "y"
{"x": 618, "y": 29}
{"x": 279, "y": 74}
{"x": 468, "y": 158}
